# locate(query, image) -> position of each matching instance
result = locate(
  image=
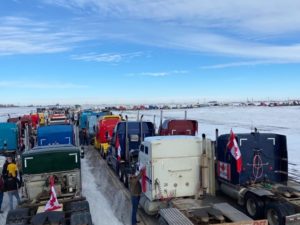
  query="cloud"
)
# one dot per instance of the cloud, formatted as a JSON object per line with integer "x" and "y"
{"x": 40, "y": 85}
{"x": 247, "y": 15}
{"x": 254, "y": 30}
{"x": 24, "y": 36}
{"x": 159, "y": 74}
{"x": 106, "y": 57}
{"x": 246, "y": 63}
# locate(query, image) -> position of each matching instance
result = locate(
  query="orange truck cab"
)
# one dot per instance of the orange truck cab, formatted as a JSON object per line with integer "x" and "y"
{"x": 104, "y": 132}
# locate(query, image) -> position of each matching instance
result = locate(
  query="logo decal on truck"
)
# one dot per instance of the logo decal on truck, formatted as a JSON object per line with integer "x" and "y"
{"x": 224, "y": 170}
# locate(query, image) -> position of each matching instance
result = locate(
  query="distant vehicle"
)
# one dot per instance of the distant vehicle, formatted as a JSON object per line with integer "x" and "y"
{"x": 34, "y": 120}
{"x": 125, "y": 143}
{"x": 83, "y": 119}
{"x": 104, "y": 132}
{"x": 178, "y": 127}
{"x": 22, "y": 122}
{"x": 92, "y": 120}
{"x": 9, "y": 137}
{"x": 42, "y": 119}
{"x": 55, "y": 134}
{"x": 58, "y": 119}
{"x": 63, "y": 164}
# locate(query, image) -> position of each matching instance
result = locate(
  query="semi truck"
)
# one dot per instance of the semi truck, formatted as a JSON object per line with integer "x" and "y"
{"x": 62, "y": 163}
{"x": 9, "y": 137}
{"x": 124, "y": 146}
{"x": 262, "y": 187}
{"x": 179, "y": 183}
{"x": 177, "y": 126}
{"x": 104, "y": 132}
{"x": 92, "y": 121}
{"x": 55, "y": 134}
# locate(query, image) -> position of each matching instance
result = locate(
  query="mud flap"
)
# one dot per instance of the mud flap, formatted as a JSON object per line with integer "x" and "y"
{"x": 49, "y": 217}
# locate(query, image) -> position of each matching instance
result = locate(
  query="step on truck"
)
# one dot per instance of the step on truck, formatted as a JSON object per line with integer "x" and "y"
{"x": 62, "y": 162}
{"x": 179, "y": 182}
{"x": 262, "y": 187}
{"x": 125, "y": 144}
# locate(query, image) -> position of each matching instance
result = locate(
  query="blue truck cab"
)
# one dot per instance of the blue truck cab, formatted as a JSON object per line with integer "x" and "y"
{"x": 55, "y": 134}
{"x": 262, "y": 187}
{"x": 125, "y": 143}
{"x": 9, "y": 137}
{"x": 264, "y": 158}
{"x": 92, "y": 122}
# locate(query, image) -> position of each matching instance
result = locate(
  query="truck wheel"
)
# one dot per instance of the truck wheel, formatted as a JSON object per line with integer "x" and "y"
{"x": 162, "y": 221}
{"x": 254, "y": 206}
{"x": 18, "y": 216}
{"x": 275, "y": 213}
{"x": 80, "y": 218}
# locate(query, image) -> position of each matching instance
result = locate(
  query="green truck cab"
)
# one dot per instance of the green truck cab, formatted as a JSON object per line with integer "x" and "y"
{"x": 63, "y": 163}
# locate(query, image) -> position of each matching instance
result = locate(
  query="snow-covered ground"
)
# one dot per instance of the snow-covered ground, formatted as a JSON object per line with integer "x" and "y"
{"x": 107, "y": 201}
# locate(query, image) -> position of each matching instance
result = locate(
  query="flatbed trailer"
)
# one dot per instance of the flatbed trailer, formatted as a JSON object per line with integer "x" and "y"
{"x": 198, "y": 212}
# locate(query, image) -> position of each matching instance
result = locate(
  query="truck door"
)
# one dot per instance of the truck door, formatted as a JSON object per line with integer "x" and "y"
{"x": 145, "y": 160}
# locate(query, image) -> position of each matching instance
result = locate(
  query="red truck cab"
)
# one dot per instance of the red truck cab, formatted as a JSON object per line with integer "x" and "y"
{"x": 104, "y": 132}
{"x": 178, "y": 127}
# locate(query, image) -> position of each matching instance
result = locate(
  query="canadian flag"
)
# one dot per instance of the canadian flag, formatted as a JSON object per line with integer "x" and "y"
{"x": 224, "y": 170}
{"x": 52, "y": 204}
{"x": 232, "y": 145}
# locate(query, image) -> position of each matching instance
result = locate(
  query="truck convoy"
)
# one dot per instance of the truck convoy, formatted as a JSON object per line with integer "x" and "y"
{"x": 62, "y": 163}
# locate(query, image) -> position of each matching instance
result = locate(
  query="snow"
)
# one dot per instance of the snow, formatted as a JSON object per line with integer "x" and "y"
{"x": 100, "y": 208}
{"x": 108, "y": 201}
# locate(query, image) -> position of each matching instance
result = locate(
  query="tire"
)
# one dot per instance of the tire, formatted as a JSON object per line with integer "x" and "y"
{"x": 254, "y": 206}
{"x": 80, "y": 218}
{"x": 275, "y": 213}
{"x": 18, "y": 216}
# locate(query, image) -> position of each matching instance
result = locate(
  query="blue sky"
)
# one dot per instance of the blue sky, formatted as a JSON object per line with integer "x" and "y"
{"x": 138, "y": 51}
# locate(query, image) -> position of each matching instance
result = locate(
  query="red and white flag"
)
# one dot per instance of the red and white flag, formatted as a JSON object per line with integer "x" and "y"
{"x": 52, "y": 204}
{"x": 232, "y": 145}
{"x": 224, "y": 170}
